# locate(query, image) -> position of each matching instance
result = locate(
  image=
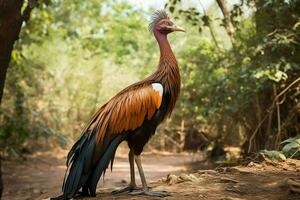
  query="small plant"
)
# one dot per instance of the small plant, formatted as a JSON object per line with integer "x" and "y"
{"x": 273, "y": 155}
{"x": 291, "y": 147}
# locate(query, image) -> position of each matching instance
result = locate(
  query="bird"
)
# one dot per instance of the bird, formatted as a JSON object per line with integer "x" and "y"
{"x": 132, "y": 115}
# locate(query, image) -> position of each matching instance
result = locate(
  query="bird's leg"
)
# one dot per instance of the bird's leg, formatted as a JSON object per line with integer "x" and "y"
{"x": 132, "y": 185}
{"x": 138, "y": 162}
{"x": 145, "y": 190}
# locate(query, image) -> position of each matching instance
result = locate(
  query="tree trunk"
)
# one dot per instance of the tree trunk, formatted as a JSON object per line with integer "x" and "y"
{"x": 227, "y": 20}
{"x": 10, "y": 26}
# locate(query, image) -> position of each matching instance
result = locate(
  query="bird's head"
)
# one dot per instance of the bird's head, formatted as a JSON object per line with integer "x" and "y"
{"x": 161, "y": 23}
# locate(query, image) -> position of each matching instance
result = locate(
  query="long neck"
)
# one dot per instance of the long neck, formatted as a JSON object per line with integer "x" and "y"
{"x": 167, "y": 72}
{"x": 166, "y": 53}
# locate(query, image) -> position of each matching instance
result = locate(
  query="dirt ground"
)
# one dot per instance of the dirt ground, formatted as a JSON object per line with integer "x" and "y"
{"x": 40, "y": 177}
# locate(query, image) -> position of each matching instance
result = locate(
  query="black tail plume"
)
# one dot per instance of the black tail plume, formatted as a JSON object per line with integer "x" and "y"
{"x": 79, "y": 157}
{"x": 82, "y": 173}
{"x": 103, "y": 163}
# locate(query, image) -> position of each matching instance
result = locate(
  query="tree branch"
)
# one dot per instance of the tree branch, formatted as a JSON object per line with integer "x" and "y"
{"x": 212, "y": 33}
{"x": 227, "y": 21}
{"x": 269, "y": 111}
{"x": 27, "y": 11}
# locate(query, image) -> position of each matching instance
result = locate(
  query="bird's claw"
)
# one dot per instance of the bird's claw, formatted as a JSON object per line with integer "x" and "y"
{"x": 127, "y": 189}
{"x": 85, "y": 194}
{"x": 147, "y": 192}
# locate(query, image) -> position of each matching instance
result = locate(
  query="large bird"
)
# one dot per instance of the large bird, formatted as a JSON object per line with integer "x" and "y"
{"x": 132, "y": 115}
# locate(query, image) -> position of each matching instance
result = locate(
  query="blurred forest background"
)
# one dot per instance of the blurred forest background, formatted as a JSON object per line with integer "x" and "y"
{"x": 239, "y": 62}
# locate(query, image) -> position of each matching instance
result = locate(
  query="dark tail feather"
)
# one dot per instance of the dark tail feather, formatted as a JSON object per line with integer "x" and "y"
{"x": 76, "y": 148}
{"x": 74, "y": 153}
{"x": 79, "y": 158}
{"x": 103, "y": 164}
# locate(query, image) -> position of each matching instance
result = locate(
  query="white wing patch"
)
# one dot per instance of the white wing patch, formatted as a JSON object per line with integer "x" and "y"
{"x": 158, "y": 87}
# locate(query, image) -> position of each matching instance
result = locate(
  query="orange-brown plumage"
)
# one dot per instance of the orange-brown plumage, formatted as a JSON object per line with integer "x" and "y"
{"x": 132, "y": 115}
{"x": 126, "y": 111}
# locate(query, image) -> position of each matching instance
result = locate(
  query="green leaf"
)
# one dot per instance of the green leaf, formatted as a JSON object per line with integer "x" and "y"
{"x": 274, "y": 155}
{"x": 288, "y": 140}
{"x": 291, "y": 146}
{"x": 171, "y": 8}
{"x": 296, "y": 25}
{"x": 205, "y": 20}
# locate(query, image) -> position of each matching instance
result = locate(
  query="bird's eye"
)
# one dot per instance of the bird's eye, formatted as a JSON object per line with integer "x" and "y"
{"x": 165, "y": 24}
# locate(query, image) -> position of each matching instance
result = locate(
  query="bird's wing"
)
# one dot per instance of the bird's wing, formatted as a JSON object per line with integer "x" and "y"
{"x": 127, "y": 110}
{"x": 96, "y": 147}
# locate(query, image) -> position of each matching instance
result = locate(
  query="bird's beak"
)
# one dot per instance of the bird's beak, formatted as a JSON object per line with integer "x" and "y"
{"x": 175, "y": 28}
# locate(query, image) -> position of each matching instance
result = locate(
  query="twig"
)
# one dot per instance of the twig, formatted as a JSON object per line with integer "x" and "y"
{"x": 278, "y": 119}
{"x": 295, "y": 153}
{"x": 227, "y": 20}
{"x": 269, "y": 122}
{"x": 269, "y": 111}
{"x": 181, "y": 134}
{"x": 288, "y": 87}
{"x": 255, "y": 131}
{"x": 173, "y": 141}
{"x": 209, "y": 26}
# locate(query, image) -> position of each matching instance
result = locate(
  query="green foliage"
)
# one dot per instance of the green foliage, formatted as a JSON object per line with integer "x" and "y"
{"x": 21, "y": 122}
{"x": 230, "y": 90}
{"x": 291, "y": 147}
{"x": 273, "y": 155}
{"x": 70, "y": 59}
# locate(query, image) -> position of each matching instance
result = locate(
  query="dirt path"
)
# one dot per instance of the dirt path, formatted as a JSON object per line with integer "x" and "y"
{"x": 40, "y": 177}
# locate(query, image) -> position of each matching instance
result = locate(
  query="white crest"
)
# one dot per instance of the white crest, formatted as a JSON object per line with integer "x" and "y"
{"x": 157, "y": 15}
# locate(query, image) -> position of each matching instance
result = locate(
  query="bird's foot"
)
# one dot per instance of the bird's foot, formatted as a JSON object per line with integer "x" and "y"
{"x": 147, "y": 192}
{"x": 127, "y": 189}
{"x": 85, "y": 194}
